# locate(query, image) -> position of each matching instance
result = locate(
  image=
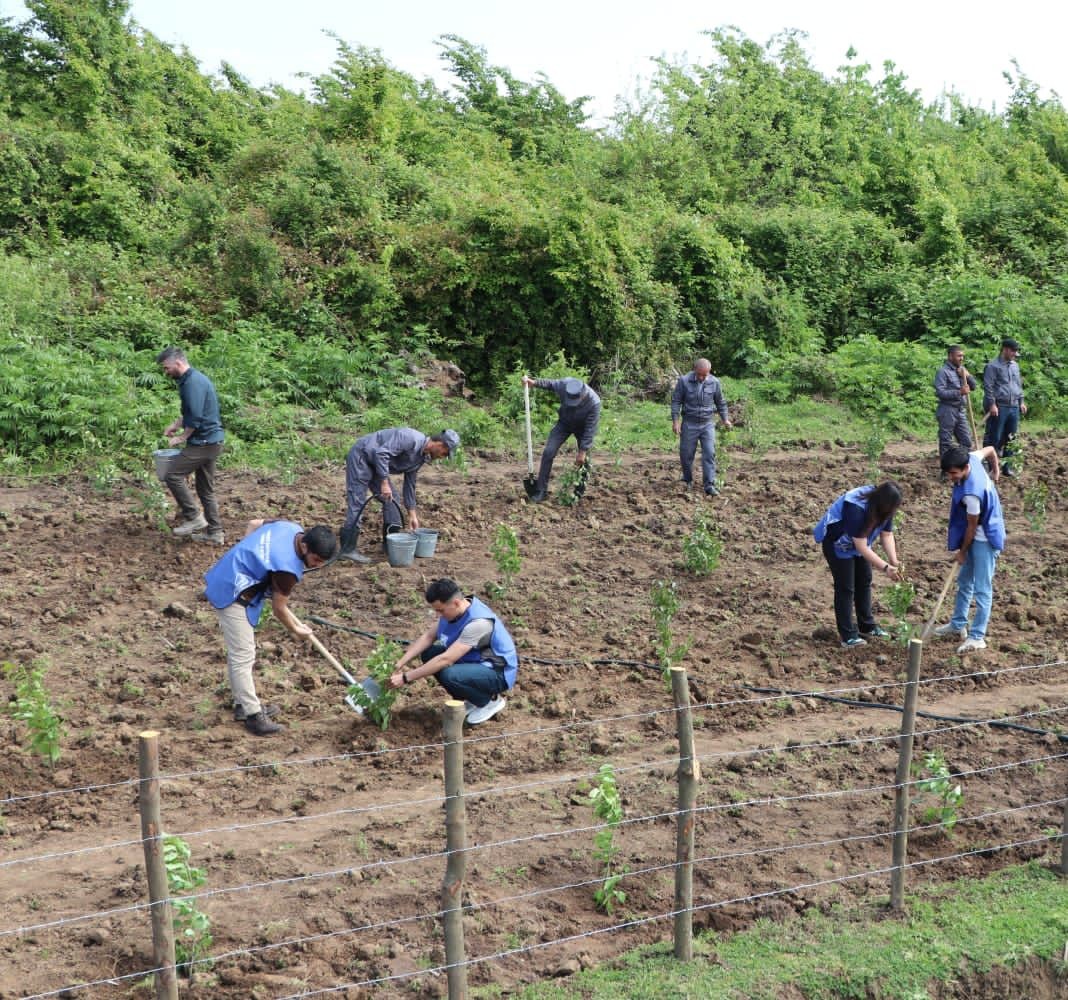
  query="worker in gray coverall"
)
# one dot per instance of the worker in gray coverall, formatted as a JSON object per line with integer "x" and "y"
{"x": 580, "y": 413}
{"x": 952, "y": 385}
{"x": 697, "y": 398}
{"x": 371, "y": 461}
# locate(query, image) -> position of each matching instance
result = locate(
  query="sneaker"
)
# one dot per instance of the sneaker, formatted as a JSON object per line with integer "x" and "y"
{"x": 950, "y": 631}
{"x": 539, "y": 496}
{"x": 876, "y": 633}
{"x": 479, "y": 715}
{"x": 188, "y": 527}
{"x": 711, "y": 491}
{"x": 854, "y": 643}
{"x": 269, "y": 710}
{"x": 971, "y": 645}
{"x": 213, "y": 537}
{"x": 260, "y": 725}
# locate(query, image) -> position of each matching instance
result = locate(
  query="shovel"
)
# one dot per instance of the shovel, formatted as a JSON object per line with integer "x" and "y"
{"x": 929, "y": 627}
{"x": 370, "y": 685}
{"x": 530, "y": 484}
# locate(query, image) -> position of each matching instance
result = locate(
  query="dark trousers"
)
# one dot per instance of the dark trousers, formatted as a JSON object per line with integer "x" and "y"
{"x": 1001, "y": 432}
{"x": 852, "y": 589}
{"x": 199, "y": 459}
{"x": 478, "y": 683}
{"x": 952, "y": 423}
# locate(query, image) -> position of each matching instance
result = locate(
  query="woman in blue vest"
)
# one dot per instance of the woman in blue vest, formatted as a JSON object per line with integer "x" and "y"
{"x": 268, "y": 562}
{"x": 977, "y": 535}
{"x": 467, "y": 651}
{"x": 847, "y": 532}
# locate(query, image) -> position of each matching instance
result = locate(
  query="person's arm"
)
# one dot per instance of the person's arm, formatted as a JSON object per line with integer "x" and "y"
{"x": 677, "y": 398}
{"x": 450, "y": 655}
{"x": 425, "y": 641}
{"x": 947, "y": 386}
{"x": 989, "y": 454}
{"x": 877, "y": 562}
{"x": 589, "y": 431}
{"x": 409, "y": 492}
{"x": 890, "y": 548}
{"x": 280, "y": 607}
{"x": 721, "y": 407}
{"x": 969, "y": 536}
{"x": 990, "y": 389}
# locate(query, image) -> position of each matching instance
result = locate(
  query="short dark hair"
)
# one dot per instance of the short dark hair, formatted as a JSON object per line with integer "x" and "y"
{"x": 953, "y": 348}
{"x": 169, "y": 353}
{"x": 322, "y": 541}
{"x": 955, "y": 458}
{"x": 442, "y": 590}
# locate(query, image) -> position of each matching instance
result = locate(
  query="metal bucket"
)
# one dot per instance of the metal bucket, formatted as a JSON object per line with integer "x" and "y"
{"x": 400, "y": 548}
{"x": 163, "y": 458}
{"x": 426, "y": 542}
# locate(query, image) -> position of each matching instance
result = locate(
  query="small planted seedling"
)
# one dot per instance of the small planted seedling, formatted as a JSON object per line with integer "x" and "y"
{"x": 607, "y": 807}
{"x": 939, "y": 783}
{"x": 505, "y": 552}
{"x": 665, "y": 599}
{"x": 379, "y": 665}
{"x": 150, "y": 500}
{"x": 192, "y": 927}
{"x": 900, "y": 596}
{"x": 702, "y": 548}
{"x": 32, "y": 705}
{"x": 1036, "y": 499}
{"x": 573, "y": 483}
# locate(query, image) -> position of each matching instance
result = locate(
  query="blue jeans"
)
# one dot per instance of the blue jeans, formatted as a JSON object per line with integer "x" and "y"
{"x": 689, "y": 435}
{"x": 478, "y": 683}
{"x": 976, "y": 579}
{"x": 1001, "y": 432}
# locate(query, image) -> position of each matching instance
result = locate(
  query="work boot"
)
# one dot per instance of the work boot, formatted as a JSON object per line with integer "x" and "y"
{"x": 198, "y": 523}
{"x": 269, "y": 710}
{"x": 260, "y": 725}
{"x": 212, "y": 537}
{"x": 349, "y": 538}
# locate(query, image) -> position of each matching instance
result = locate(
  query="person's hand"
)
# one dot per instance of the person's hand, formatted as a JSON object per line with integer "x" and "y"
{"x": 962, "y": 555}
{"x": 727, "y": 424}
{"x": 302, "y": 630}
{"x": 993, "y": 411}
{"x": 396, "y": 679}
{"x": 894, "y": 572}
{"x": 413, "y": 519}
{"x": 1023, "y": 408}
{"x": 174, "y": 440}
{"x": 387, "y": 491}
{"x": 965, "y": 388}
{"x": 675, "y": 427}
{"x": 528, "y": 381}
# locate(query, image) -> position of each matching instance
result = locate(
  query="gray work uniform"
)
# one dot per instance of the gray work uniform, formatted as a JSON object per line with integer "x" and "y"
{"x": 579, "y": 417}
{"x": 952, "y": 420}
{"x": 1003, "y": 385}
{"x": 374, "y": 457}
{"x": 697, "y": 404}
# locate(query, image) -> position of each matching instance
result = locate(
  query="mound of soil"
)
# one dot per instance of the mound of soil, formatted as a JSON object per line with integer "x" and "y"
{"x": 338, "y": 828}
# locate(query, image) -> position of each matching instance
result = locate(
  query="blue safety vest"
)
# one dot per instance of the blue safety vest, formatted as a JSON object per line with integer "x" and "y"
{"x": 977, "y": 484}
{"x": 248, "y": 565}
{"x": 501, "y": 654}
{"x": 843, "y": 544}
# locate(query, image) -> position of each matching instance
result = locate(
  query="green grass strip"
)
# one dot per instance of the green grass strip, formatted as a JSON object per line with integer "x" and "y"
{"x": 965, "y": 926}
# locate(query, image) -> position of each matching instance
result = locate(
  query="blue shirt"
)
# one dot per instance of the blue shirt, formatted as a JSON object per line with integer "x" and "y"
{"x": 200, "y": 408}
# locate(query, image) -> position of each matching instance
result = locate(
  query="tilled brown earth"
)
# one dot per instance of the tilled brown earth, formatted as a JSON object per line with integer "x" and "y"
{"x": 323, "y": 846}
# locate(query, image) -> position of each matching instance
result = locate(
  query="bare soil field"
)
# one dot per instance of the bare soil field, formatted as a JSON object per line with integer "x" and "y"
{"x": 331, "y": 834}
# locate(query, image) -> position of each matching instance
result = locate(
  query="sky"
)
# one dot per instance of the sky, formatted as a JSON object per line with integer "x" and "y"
{"x": 604, "y": 50}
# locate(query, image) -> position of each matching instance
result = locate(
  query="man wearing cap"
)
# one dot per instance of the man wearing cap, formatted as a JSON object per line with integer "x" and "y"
{"x": 697, "y": 398}
{"x": 371, "y": 461}
{"x": 1003, "y": 402}
{"x": 579, "y": 415}
{"x": 952, "y": 385}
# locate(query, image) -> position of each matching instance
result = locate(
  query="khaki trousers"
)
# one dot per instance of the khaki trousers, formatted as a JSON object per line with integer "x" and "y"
{"x": 240, "y": 639}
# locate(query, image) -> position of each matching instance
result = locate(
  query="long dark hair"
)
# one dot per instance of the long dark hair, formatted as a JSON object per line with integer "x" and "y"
{"x": 883, "y": 501}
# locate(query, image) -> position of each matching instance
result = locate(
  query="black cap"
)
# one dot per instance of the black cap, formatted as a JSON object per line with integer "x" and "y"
{"x": 1009, "y": 342}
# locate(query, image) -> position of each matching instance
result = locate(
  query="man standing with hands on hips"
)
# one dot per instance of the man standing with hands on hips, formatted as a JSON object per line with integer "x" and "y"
{"x": 697, "y": 398}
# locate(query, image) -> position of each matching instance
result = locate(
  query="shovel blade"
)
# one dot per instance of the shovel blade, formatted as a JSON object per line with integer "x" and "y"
{"x": 530, "y": 484}
{"x": 371, "y": 688}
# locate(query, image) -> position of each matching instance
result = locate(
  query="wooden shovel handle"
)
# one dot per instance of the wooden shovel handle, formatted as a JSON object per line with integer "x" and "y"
{"x": 929, "y": 627}
{"x": 329, "y": 657}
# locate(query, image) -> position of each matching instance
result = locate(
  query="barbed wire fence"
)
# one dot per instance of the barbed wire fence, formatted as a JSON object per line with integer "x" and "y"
{"x": 651, "y": 856}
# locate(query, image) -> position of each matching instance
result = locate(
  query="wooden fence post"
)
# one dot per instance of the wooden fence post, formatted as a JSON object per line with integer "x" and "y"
{"x": 904, "y": 772}
{"x": 1064, "y": 841}
{"x": 158, "y": 891}
{"x": 689, "y": 775}
{"x": 452, "y": 889}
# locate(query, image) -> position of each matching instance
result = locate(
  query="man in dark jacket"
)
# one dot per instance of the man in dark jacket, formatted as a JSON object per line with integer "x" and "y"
{"x": 1003, "y": 402}
{"x": 200, "y": 430}
{"x": 697, "y": 398}
{"x": 371, "y": 461}
{"x": 952, "y": 384}
{"x": 579, "y": 415}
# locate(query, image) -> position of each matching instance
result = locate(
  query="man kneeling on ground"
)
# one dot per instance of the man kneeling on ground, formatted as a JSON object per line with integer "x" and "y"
{"x": 467, "y": 651}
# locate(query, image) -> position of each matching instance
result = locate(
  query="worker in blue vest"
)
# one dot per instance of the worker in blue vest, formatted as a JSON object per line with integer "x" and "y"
{"x": 847, "y": 532}
{"x": 268, "y": 562}
{"x": 977, "y": 534}
{"x": 468, "y": 651}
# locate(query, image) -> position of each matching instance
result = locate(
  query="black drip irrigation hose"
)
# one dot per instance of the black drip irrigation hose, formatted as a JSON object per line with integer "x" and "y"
{"x": 853, "y": 703}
